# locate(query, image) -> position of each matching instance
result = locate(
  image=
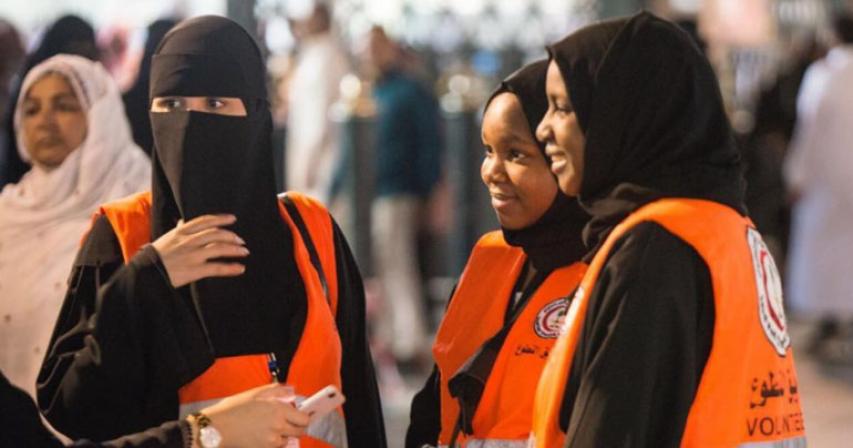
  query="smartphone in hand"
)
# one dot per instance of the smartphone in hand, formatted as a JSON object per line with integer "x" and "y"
{"x": 322, "y": 402}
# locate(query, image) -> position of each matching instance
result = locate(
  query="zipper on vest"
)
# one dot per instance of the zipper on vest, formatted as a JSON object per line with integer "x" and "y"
{"x": 272, "y": 364}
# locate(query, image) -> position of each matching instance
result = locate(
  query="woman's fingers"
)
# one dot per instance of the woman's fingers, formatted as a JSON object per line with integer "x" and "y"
{"x": 221, "y": 250}
{"x": 213, "y": 235}
{"x": 205, "y": 222}
{"x": 219, "y": 270}
{"x": 293, "y": 418}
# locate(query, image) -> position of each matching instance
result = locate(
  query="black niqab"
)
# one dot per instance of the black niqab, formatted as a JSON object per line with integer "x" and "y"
{"x": 555, "y": 239}
{"x": 650, "y": 107}
{"x": 209, "y": 164}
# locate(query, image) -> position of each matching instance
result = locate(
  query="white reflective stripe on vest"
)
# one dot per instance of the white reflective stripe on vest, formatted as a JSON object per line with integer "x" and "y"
{"x": 332, "y": 428}
{"x": 492, "y": 443}
{"x": 795, "y": 442}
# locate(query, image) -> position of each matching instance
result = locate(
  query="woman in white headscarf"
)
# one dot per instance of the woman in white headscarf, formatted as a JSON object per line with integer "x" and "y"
{"x": 71, "y": 126}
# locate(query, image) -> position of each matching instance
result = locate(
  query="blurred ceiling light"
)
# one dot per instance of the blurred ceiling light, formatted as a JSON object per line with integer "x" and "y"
{"x": 686, "y": 6}
{"x": 737, "y": 23}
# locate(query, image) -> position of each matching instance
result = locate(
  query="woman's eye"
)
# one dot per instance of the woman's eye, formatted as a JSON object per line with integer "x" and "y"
{"x": 488, "y": 151}
{"x": 30, "y": 110}
{"x": 215, "y": 103}
{"x": 515, "y": 154}
{"x": 66, "y": 106}
{"x": 169, "y": 104}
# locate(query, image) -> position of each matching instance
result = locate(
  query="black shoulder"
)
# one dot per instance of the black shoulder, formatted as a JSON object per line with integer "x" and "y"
{"x": 650, "y": 250}
{"x": 100, "y": 246}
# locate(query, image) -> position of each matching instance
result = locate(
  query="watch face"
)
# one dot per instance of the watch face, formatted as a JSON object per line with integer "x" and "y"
{"x": 209, "y": 437}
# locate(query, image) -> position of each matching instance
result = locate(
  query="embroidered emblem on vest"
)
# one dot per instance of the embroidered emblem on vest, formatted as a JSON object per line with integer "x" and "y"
{"x": 549, "y": 319}
{"x": 770, "y": 309}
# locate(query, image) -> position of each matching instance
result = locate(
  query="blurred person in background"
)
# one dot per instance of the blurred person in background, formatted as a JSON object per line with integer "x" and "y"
{"x": 209, "y": 284}
{"x": 818, "y": 175}
{"x": 312, "y": 150}
{"x": 69, "y": 35}
{"x": 113, "y": 46}
{"x": 11, "y": 58}
{"x": 71, "y": 127}
{"x": 766, "y": 145}
{"x": 407, "y": 168}
{"x": 676, "y": 335}
{"x": 136, "y": 100}
{"x": 254, "y": 418}
{"x": 506, "y": 311}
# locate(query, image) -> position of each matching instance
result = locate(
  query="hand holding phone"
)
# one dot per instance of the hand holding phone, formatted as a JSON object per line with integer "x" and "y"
{"x": 322, "y": 402}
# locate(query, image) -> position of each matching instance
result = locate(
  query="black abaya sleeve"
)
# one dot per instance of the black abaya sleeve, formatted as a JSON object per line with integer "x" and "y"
{"x": 363, "y": 410}
{"x": 425, "y": 416}
{"x": 644, "y": 345}
{"x": 98, "y": 380}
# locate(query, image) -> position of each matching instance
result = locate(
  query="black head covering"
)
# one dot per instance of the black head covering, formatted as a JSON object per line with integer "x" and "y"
{"x": 136, "y": 101}
{"x": 650, "y": 108}
{"x": 555, "y": 239}
{"x": 207, "y": 163}
{"x": 69, "y": 35}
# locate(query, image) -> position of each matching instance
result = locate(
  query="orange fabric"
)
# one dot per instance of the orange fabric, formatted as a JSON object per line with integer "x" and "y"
{"x": 317, "y": 361}
{"x": 748, "y": 390}
{"x": 476, "y": 313}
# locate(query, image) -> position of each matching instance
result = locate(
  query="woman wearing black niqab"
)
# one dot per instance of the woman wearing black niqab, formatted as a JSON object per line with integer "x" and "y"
{"x": 504, "y": 314}
{"x": 636, "y": 127}
{"x": 232, "y": 273}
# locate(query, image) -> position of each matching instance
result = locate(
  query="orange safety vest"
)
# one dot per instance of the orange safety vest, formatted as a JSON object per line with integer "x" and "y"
{"x": 317, "y": 360}
{"x": 747, "y": 395}
{"x": 475, "y": 314}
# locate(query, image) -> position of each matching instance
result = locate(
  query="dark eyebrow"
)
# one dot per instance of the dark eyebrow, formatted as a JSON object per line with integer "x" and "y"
{"x": 64, "y": 95}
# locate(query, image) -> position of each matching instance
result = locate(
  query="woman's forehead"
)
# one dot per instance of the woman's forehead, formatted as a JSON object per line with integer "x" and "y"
{"x": 504, "y": 120}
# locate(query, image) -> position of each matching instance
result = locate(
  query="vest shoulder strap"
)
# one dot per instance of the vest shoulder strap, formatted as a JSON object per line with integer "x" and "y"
{"x": 301, "y": 208}
{"x": 130, "y": 218}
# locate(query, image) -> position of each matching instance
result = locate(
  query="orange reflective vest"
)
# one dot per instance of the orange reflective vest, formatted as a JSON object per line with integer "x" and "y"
{"x": 475, "y": 314}
{"x": 317, "y": 360}
{"x": 747, "y": 395}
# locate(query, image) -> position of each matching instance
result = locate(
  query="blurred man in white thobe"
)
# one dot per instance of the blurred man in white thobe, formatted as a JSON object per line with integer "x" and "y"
{"x": 819, "y": 172}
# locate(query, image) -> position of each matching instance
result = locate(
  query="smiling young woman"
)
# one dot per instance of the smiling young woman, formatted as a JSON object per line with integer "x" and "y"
{"x": 506, "y": 310}
{"x": 680, "y": 313}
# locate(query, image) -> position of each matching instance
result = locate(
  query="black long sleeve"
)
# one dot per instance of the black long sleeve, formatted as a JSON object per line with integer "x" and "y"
{"x": 425, "y": 414}
{"x": 124, "y": 342}
{"x": 363, "y": 409}
{"x": 20, "y": 426}
{"x": 644, "y": 345}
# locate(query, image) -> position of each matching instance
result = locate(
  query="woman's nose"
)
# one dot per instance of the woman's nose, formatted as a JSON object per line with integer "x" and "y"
{"x": 493, "y": 170}
{"x": 543, "y": 129}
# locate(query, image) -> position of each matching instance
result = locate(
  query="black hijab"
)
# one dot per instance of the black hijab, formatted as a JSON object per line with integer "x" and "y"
{"x": 651, "y": 111}
{"x": 68, "y": 35}
{"x": 555, "y": 239}
{"x": 207, "y": 163}
{"x": 136, "y": 101}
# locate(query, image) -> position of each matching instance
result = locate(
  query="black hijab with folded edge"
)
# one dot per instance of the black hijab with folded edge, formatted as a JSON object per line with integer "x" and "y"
{"x": 650, "y": 108}
{"x": 209, "y": 164}
{"x": 555, "y": 239}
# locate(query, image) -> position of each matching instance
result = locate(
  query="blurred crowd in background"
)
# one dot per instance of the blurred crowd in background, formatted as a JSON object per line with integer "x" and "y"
{"x": 376, "y": 106}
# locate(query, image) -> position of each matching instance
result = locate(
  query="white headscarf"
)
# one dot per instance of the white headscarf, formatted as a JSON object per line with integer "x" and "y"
{"x": 44, "y": 216}
{"x": 107, "y": 165}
